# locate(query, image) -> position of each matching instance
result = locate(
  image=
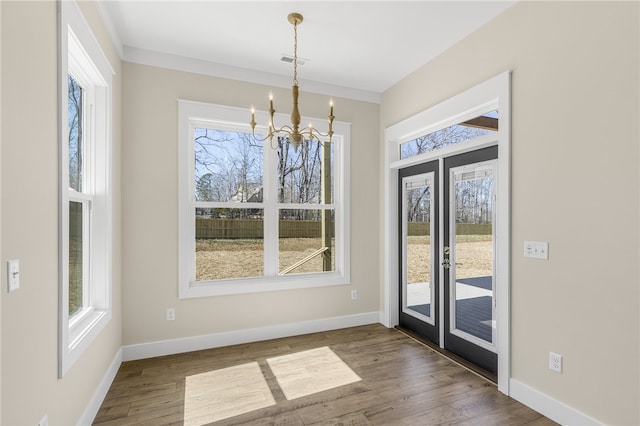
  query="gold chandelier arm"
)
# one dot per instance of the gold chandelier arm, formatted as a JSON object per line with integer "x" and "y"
{"x": 259, "y": 139}
{"x": 285, "y": 130}
{"x": 315, "y": 133}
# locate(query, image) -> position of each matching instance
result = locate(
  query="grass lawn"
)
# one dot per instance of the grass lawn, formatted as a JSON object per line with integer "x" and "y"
{"x": 219, "y": 259}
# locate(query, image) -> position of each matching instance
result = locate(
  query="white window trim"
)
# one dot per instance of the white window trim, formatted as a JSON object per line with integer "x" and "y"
{"x": 492, "y": 94}
{"x": 190, "y": 115}
{"x": 79, "y": 52}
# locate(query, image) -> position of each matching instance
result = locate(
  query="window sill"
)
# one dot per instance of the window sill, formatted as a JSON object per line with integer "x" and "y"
{"x": 83, "y": 324}
{"x": 260, "y": 284}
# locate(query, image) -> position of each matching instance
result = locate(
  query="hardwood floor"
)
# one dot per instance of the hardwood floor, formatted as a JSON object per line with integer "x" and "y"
{"x": 401, "y": 382}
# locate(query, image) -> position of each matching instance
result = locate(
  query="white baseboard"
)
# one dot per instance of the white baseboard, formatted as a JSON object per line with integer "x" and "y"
{"x": 547, "y": 406}
{"x": 98, "y": 396}
{"x": 227, "y": 338}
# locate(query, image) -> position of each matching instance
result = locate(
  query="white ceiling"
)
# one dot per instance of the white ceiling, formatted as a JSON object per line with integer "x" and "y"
{"x": 366, "y": 46}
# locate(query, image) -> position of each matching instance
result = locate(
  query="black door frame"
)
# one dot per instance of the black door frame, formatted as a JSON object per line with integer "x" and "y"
{"x": 423, "y": 329}
{"x": 484, "y": 358}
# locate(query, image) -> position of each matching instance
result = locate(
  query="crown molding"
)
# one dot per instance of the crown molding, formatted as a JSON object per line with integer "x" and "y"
{"x": 199, "y": 66}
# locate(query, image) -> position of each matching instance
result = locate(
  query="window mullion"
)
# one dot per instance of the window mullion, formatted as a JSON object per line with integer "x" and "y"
{"x": 270, "y": 211}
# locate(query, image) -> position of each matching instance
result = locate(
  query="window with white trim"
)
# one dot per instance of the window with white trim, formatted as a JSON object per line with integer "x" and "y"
{"x": 85, "y": 189}
{"x": 258, "y": 216}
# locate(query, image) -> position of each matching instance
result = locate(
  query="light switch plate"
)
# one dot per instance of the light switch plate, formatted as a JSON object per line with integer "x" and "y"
{"x": 13, "y": 275}
{"x": 536, "y": 249}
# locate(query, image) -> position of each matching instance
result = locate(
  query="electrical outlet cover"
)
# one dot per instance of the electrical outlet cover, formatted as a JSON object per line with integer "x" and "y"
{"x": 555, "y": 362}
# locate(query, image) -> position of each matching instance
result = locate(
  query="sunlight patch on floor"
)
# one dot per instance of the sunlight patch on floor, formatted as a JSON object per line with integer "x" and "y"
{"x": 220, "y": 394}
{"x": 309, "y": 372}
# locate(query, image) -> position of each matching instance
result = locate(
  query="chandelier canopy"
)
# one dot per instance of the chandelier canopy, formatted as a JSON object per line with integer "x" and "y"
{"x": 293, "y": 132}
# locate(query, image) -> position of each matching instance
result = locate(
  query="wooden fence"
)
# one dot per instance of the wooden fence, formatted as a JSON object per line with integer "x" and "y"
{"x": 207, "y": 228}
{"x": 422, "y": 228}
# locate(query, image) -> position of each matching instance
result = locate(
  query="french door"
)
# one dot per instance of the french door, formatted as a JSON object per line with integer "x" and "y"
{"x": 419, "y": 231}
{"x": 447, "y": 253}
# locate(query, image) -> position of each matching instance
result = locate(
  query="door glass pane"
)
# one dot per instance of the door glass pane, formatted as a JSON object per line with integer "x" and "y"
{"x": 418, "y": 251}
{"x": 473, "y": 199}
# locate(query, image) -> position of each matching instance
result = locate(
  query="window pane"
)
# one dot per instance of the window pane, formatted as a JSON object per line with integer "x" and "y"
{"x": 418, "y": 212}
{"x": 229, "y": 243}
{"x": 307, "y": 242}
{"x": 76, "y": 243}
{"x": 228, "y": 166}
{"x": 474, "y": 252}
{"x": 76, "y": 151}
{"x": 470, "y": 129}
{"x": 300, "y": 172}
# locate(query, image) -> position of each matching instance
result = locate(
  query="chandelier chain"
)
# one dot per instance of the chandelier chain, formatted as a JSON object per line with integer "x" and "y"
{"x": 295, "y": 53}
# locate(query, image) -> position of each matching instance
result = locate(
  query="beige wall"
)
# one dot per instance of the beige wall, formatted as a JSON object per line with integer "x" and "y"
{"x": 150, "y": 222}
{"x": 575, "y": 161}
{"x": 575, "y": 149}
{"x": 30, "y": 384}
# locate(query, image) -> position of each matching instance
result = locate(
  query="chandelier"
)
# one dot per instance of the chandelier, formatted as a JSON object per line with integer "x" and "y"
{"x": 293, "y": 132}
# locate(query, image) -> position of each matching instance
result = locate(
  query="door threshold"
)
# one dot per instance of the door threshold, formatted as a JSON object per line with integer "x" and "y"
{"x": 492, "y": 378}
